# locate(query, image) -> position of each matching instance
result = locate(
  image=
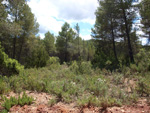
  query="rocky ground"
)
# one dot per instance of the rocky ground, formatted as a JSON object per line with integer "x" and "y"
{"x": 40, "y": 105}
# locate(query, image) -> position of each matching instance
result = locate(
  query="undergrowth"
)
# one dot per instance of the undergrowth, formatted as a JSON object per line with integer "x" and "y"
{"x": 74, "y": 83}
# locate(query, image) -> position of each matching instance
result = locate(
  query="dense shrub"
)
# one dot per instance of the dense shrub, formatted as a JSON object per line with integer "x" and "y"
{"x": 81, "y": 67}
{"x": 9, "y": 66}
{"x": 74, "y": 67}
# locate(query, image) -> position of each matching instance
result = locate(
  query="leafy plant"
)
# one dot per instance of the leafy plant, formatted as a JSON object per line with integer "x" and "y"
{"x": 52, "y": 102}
{"x": 38, "y": 58}
{"x": 8, "y": 103}
{"x": 3, "y": 87}
{"x": 143, "y": 87}
{"x": 9, "y": 66}
{"x": 53, "y": 63}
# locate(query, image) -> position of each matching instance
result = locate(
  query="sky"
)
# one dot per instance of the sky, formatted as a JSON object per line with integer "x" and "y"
{"x": 52, "y": 14}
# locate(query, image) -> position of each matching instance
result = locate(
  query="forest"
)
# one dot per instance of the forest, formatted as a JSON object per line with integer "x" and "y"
{"x": 111, "y": 69}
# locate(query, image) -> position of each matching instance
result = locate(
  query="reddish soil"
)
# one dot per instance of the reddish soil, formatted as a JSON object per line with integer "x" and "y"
{"x": 40, "y": 105}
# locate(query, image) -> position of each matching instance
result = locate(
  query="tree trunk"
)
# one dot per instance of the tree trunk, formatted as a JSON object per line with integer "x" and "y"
{"x": 14, "y": 48}
{"x": 20, "y": 51}
{"x": 15, "y": 38}
{"x": 88, "y": 58}
{"x": 66, "y": 50}
{"x": 128, "y": 37}
{"x": 113, "y": 39}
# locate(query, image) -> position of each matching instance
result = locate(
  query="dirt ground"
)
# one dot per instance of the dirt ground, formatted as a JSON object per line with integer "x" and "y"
{"x": 40, "y": 105}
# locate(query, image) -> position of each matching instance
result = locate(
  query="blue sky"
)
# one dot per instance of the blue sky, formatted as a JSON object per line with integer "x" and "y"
{"x": 51, "y": 15}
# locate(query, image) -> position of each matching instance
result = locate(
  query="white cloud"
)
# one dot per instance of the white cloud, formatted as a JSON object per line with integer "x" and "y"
{"x": 48, "y": 11}
{"x": 86, "y": 37}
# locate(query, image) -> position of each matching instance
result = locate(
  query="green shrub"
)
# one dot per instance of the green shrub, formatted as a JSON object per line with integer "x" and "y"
{"x": 98, "y": 87}
{"x": 52, "y": 102}
{"x": 109, "y": 102}
{"x": 81, "y": 67}
{"x": 53, "y": 60}
{"x": 9, "y": 66}
{"x": 74, "y": 67}
{"x": 118, "y": 79}
{"x": 102, "y": 60}
{"x": 53, "y": 63}
{"x": 85, "y": 68}
{"x": 16, "y": 83}
{"x": 89, "y": 101}
{"x": 142, "y": 60}
{"x": 24, "y": 100}
{"x": 143, "y": 87}
{"x": 4, "y": 88}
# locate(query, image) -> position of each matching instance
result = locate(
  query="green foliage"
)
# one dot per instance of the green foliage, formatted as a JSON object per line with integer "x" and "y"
{"x": 143, "y": 87}
{"x": 4, "y": 111}
{"x": 99, "y": 102}
{"x": 102, "y": 60}
{"x": 74, "y": 67}
{"x": 4, "y": 88}
{"x": 53, "y": 63}
{"x": 85, "y": 67}
{"x": 118, "y": 78}
{"x": 70, "y": 84}
{"x": 89, "y": 101}
{"x": 39, "y": 57}
{"x": 142, "y": 61}
{"x": 81, "y": 67}
{"x": 49, "y": 42}
{"x": 52, "y": 102}
{"x": 8, "y": 103}
{"x": 109, "y": 102}
{"x": 98, "y": 87}
{"x": 145, "y": 14}
{"x": 9, "y": 66}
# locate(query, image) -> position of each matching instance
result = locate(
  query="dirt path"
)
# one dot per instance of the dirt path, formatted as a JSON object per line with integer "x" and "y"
{"x": 40, "y": 105}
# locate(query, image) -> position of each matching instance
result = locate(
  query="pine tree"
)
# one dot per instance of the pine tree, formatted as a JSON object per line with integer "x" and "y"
{"x": 49, "y": 42}
{"x": 77, "y": 28}
{"x": 64, "y": 42}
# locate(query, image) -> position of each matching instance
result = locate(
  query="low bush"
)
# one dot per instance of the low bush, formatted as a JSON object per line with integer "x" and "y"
{"x": 81, "y": 67}
{"x": 97, "y": 86}
{"x": 53, "y": 63}
{"x": 143, "y": 87}
{"x": 24, "y": 100}
{"x": 4, "y": 87}
{"x": 142, "y": 62}
{"x": 89, "y": 101}
{"x": 52, "y": 102}
{"x": 85, "y": 68}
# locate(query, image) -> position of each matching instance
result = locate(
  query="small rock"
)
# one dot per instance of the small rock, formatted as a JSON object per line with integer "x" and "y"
{"x": 25, "y": 107}
{"x": 123, "y": 111}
